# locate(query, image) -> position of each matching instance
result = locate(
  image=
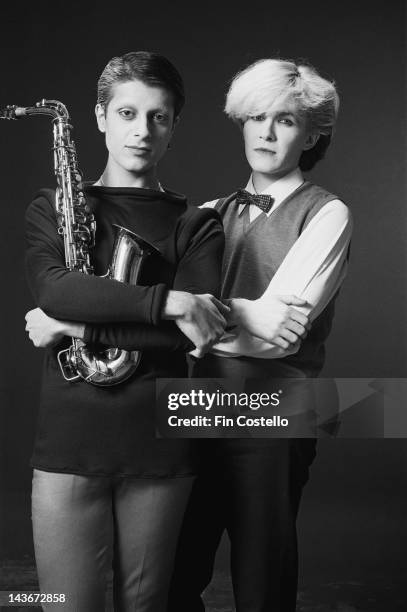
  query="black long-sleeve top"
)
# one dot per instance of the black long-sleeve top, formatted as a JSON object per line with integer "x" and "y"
{"x": 84, "y": 429}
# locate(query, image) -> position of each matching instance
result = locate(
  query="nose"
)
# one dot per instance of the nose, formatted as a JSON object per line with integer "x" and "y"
{"x": 141, "y": 126}
{"x": 268, "y": 130}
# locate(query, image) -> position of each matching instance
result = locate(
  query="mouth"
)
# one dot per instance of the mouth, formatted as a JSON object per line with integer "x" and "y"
{"x": 138, "y": 150}
{"x": 263, "y": 150}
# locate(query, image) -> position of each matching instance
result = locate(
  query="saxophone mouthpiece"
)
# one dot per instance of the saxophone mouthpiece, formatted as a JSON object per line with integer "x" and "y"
{"x": 12, "y": 112}
{"x": 20, "y": 111}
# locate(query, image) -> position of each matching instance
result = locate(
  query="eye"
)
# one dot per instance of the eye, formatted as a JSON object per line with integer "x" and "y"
{"x": 286, "y": 121}
{"x": 260, "y": 117}
{"x": 160, "y": 117}
{"x": 126, "y": 113}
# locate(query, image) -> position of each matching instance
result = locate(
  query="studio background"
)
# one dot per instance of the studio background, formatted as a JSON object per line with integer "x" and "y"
{"x": 354, "y": 508}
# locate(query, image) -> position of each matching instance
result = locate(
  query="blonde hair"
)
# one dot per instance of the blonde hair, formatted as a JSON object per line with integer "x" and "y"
{"x": 255, "y": 89}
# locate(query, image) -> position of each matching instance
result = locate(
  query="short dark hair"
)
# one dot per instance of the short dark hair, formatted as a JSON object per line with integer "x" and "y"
{"x": 150, "y": 68}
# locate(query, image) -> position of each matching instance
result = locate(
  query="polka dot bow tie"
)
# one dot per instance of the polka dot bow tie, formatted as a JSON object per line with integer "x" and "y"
{"x": 264, "y": 202}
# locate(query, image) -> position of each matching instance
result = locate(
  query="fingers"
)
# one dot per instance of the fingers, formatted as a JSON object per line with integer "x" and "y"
{"x": 34, "y": 339}
{"x": 285, "y": 344}
{"x": 221, "y": 321}
{"x": 289, "y": 336}
{"x": 30, "y": 327}
{"x": 217, "y": 314}
{"x": 29, "y": 315}
{"x": 34, "y": 329}
{"x": 299, "y": 317}
{"x": 281, "y": 342}
{"x": 223, "y": 308}
{"x": 198, "y": 353}
{"x": 231, "y": 331}
{"x": 294, "y": 314}
{"x": 292, "y": 333}
{"x": 205, "y": 324}
{"x": 298, "y": 329}
{"x": 211, "y": 307}
{"x": 293, "y": 300}
{"x": 211, "y": 336}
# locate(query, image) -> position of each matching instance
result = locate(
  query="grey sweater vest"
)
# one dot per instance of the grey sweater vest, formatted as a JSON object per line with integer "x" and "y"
{"x": 254, "y": 251}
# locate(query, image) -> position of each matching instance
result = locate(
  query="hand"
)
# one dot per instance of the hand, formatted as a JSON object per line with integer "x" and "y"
{"x": 45, "y": 331}
{"x": 275, "y": 320}
{"x": 200, "y": 317}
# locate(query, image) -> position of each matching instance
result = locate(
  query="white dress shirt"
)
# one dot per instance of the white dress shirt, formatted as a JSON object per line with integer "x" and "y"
{"x": 313, "y": 269}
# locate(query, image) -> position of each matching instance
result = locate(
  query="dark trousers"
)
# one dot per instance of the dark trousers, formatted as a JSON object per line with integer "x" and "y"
{"x": 252, "y": 489}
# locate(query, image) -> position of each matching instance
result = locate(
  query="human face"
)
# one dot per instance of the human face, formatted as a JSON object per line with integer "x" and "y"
{"x": 138, "y": 123}
{"x": 275, "y": 140}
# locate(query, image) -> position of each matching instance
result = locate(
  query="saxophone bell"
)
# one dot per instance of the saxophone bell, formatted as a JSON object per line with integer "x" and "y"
{"x": 109, "y": 366}
{"x": 103, "y": 368}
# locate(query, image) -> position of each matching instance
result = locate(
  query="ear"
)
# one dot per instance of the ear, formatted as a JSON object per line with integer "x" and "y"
{"x": 174, "y": 124}
{"x": 100, "y": 117}
{"x": 311, "y": 141}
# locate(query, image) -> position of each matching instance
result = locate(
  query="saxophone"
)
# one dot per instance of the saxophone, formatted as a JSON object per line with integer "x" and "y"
{"x": 76, "y": 224}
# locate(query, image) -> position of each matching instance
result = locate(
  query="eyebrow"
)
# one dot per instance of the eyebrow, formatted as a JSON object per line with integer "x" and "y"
{"x": 134, "y": 105}
{"x": 129, "y": 102}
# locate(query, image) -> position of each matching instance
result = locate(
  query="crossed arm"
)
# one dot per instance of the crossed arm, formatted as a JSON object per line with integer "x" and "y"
{"x": 313, "y": 271}
{"x": 186, "y": 317}
{"x": 271, "y": 326}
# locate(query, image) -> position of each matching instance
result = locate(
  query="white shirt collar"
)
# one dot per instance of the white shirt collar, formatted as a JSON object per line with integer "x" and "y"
{"x": 280, "y": 190}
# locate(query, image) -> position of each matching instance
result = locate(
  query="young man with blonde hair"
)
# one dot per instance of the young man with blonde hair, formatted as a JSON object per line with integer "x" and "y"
{"x": 286, "y": 253}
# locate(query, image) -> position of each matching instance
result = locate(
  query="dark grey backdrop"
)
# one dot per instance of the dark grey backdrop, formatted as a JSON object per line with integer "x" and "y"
{"x": 352, "y": 519}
